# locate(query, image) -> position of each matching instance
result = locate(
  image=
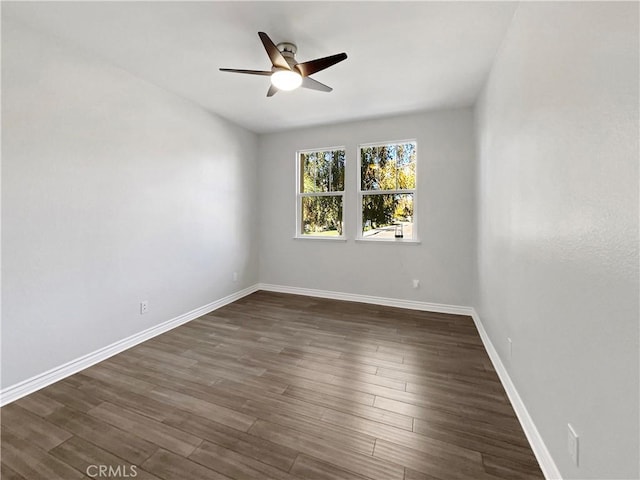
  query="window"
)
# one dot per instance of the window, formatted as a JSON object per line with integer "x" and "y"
{"x": 320, "y": 193}
{"x": 387, "y": 191}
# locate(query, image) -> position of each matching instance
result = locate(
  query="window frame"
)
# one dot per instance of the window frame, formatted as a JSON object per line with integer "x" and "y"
{"x": 300, "y": 195}
{"x": 361, "y": 193}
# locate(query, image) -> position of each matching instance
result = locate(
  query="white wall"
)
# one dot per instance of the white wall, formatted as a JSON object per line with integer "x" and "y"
{"x": 558, "y": 226}
{"x": 445, "y": 210}
{"x": 113, "y": 191}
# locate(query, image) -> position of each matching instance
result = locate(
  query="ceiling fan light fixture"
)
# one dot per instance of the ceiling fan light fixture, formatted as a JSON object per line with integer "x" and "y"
{"x": 286, "y": 80}
{"x": 286, "y": 73}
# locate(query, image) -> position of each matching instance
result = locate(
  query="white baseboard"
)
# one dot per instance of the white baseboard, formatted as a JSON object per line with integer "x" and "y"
{"x": 354, "y": 297}
{"x": 21, "y": 389}
{"x": 548, "y": 466}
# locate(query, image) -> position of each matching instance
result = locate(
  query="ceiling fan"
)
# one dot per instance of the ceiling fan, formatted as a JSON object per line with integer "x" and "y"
{"x": 286, "y": 73}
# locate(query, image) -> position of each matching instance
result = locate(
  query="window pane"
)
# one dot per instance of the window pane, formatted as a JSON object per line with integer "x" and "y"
{"x": 322, "y": 216}
{"x": 308, "y": 172}
{"x": 322, "y": 171}
{"x": 337, "y": 171}
{"x": 388, "y": 167}
{"x": 312, "y": 165}
{"x": 406, "y": 154}
{"x": 407, "y": 177}
{"x": 382, "y": 213}
{"x": 373, "y": 162}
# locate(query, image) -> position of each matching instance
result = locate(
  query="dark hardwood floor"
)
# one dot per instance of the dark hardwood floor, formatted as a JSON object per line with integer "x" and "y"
{"x": 283, "y": 387}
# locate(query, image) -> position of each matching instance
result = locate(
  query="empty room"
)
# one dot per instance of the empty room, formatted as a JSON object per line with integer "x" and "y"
{"x": 320, "y": 240}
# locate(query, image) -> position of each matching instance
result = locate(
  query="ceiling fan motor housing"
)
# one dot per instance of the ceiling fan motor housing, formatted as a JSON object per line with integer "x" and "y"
{"x": 287, "y": 48}
{"x": 288, "y": 51}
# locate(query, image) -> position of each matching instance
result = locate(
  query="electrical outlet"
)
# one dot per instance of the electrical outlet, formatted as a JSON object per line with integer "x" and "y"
{"x": 144, "y": 307}
{"x": 416, "y": 283}
{"x": 572, "y": 444}
{"x": 510, "y": 346}
{"x": 235, "y": 276}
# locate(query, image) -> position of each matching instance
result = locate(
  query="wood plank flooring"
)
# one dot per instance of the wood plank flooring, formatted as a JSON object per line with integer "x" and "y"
{"x": 283, "y": 387}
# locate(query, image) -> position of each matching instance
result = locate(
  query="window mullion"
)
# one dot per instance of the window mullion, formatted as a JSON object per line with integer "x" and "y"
{"x": 387, "y": 192}
{"x": 321, "y": 194}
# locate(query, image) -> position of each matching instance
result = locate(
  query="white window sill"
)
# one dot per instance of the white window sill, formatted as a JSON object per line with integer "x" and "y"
{"x": 321, "y": 238}
{"x": 389, "y": 240}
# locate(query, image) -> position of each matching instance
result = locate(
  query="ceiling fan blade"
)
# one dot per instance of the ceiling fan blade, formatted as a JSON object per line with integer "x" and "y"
{"x": 250, "y": 72}
{"x": 313, "y": 66}
{"x": 308, "y": 82}
{"x": 274, "y": 54}
{"x": 272, "y": 91}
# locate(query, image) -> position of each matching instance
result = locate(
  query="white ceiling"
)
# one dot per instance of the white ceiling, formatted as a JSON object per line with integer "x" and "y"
{"x": 403, "y": 56}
